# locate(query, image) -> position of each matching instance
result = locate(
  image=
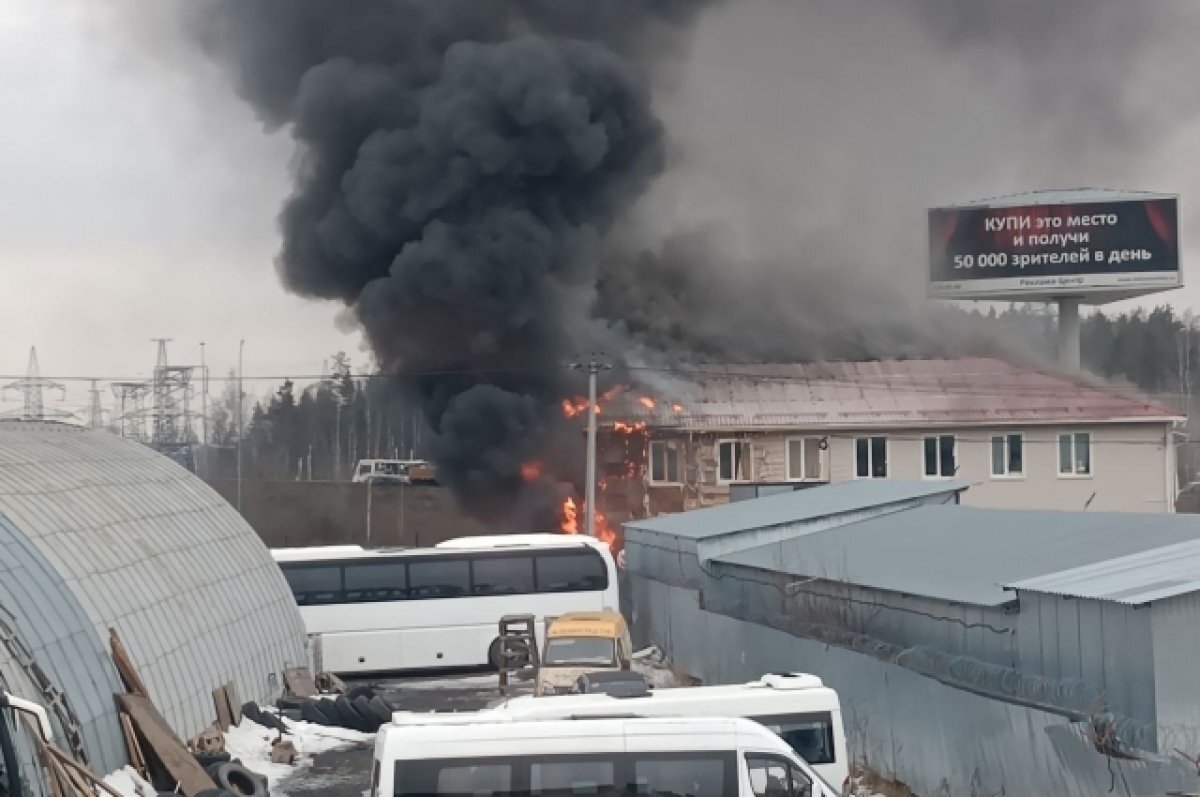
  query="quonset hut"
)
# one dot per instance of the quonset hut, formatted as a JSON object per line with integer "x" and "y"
{"x": 98, "y": 533}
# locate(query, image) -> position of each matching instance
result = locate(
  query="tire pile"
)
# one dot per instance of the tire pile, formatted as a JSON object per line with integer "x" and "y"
{"x": 358, "y": 709}
{"x": 231, "y": 777}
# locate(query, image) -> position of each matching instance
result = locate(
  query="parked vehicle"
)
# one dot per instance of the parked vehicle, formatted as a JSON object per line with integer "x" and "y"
{"x": 402, "y": 609}
{"x": 617, "y": 683}
{"x": 804, "y": 712}
{"x": 582, "y": 642}
{"x": 462, "y": 754}
{"x": 395, "y": 471}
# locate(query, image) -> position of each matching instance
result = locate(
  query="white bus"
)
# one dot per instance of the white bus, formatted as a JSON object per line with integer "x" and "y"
{"x": 455, "y": 755}
{"x": 797, "y": 706}
{"x": 425, "y": 608}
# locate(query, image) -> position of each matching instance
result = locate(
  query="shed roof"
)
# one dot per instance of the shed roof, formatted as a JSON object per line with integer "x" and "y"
{"x": 976, "y": 391}
{"x": 1134, "y": 579}
{"x": 99, "y": 532}
{"x": 964, "y": 554}
{"x": 794, "y": 507}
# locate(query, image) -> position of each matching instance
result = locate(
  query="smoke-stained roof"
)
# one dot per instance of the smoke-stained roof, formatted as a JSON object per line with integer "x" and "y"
{"x": 886, "y": 393}
{"x": 968, "y": 555}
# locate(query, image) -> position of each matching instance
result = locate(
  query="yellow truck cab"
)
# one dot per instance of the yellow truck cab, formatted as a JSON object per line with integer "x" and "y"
{"x": 579, "y": 643}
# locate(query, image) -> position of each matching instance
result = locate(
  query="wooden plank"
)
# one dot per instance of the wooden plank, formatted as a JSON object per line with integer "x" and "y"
{"x": 221, "y": 704}
{"x": 129, "y": 674}
{"x": 136, "y": 759}
{"x": 165, "y": 745}
{"x": 235, "y": 703}
{"x": 299, "y": 682}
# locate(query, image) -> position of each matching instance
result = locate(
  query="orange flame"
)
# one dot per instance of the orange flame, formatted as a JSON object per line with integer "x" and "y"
{"x": 629, "y": 428}
{"x": 646, "y": 402}
{"x": 569, "y": 524}
{"x": 531, "y": 471}
{"x": 570, "y": 517}
{"x": 677, "y": 407}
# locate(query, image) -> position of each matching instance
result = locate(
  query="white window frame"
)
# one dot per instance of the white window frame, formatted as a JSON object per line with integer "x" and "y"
{"x": 787, "y": 459}
{"x": 887, "y": 456}
{"x": 1074, "y": 455}
{"x": 677, "y": 446}
{"x": 1009, "y": 475}
{"x": 937, "y": 438}
{"x": 750, "y": 469}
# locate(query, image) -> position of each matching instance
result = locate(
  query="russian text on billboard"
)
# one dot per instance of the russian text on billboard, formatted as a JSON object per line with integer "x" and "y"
{"x": 1039, "y": 241}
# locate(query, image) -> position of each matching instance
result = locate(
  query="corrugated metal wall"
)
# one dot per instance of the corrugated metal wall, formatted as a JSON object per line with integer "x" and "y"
{"x": 1176, "y": 651}
{"x": 1106, "y": 644}
{"x": 55, "y": 627}
{"x": 935, "y": 738}
{"x": 139, "y": 544}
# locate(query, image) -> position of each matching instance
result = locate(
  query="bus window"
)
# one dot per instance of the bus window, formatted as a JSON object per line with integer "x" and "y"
{"x": 438, "y": 578}
{"x": 364, "y": 470}
{"x": 810, "y": 735}
{"x": 571, "y": 572}
{"x": 502, "y": 575}
{"x": 376, "y": 581}
{"x": 315, "y": 584}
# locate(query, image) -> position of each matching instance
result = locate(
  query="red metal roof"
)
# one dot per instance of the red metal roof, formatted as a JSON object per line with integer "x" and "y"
{"x": 884, "y": 393}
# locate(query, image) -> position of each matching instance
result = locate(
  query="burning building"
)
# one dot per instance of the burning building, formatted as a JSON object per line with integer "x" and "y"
{"x": 1025, "y": 437}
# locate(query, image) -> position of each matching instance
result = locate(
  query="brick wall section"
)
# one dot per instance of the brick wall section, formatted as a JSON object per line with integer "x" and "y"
{"x": 298, "y": 514}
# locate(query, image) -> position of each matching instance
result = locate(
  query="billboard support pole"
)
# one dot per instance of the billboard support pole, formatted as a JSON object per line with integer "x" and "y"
{"x": 1068, "y": 334}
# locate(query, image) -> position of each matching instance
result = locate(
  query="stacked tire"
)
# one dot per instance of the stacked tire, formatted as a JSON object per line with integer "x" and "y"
{"x": 358, "y": 709}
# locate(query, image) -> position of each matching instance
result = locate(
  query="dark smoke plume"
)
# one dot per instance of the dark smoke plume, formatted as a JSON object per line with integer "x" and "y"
{"x": 490, "y": 186}
{"x": 459, "y": 164}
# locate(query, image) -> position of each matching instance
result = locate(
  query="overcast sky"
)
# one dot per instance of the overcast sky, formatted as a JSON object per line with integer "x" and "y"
{"x": 139, "y": 198}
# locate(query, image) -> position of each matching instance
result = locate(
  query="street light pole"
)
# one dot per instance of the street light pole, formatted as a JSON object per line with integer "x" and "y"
{"x": 593, "y": 367}
{"x": 241, "y": 415}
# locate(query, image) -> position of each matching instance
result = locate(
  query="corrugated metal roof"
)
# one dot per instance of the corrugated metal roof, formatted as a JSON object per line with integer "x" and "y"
{"x": 105, "y": 532}
{"x": 1135, "y": 579}
{"x": 885, "y": 393}
{"x": 1066, "y": 196}
{"x": 794, "y": 507}
{"x": 965, "y": 554}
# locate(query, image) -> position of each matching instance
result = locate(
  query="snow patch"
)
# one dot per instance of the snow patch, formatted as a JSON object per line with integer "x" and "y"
{"x": 129, "y": 783}
{"x": 251, "y": 742}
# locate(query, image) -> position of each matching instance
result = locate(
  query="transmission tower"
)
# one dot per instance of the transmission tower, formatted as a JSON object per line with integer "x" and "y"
{"x": 172, "y": 388}
{"x": 32, "y": 386}
{"x": 95, "y": 411}
{"x": 131, "y": 408}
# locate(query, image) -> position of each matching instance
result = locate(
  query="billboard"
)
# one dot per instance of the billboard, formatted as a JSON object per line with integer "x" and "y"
{"x": 1100, "y": 251}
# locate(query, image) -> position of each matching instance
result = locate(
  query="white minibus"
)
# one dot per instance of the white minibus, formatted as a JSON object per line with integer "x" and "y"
{"x": 427, "y": 608}
{"x": 798, "y": 707}
{"x": 459, "y": 755}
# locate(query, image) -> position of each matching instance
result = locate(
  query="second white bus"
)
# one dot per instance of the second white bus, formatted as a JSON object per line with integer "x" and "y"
{"x": 797, "y": 706}
{"x": 432, "y": 608}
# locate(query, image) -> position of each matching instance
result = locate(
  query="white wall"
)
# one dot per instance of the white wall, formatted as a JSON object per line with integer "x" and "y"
{"x": 1131, "y": 469}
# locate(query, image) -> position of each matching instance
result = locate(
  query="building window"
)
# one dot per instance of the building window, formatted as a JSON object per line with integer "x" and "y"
{"x": 1075, "y": 454}
{"x": 804, "y": 459}
{"x": 734, "y": 461}
{"x": 870, "y": 457}
{"x": 664, "y": 462}
{"x": 1008, "y": 455}
{"x": 939, "y": 456}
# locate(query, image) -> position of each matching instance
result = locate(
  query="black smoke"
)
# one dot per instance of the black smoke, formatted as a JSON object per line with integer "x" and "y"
{"x": 458, "y": 165}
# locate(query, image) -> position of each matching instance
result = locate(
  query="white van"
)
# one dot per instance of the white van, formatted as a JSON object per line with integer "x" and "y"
{"x": 461, "y": 754}
{"x": 797, "y": 706}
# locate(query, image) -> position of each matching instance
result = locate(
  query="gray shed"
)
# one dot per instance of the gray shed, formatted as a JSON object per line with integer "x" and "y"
{"x": 98, "y": 532}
